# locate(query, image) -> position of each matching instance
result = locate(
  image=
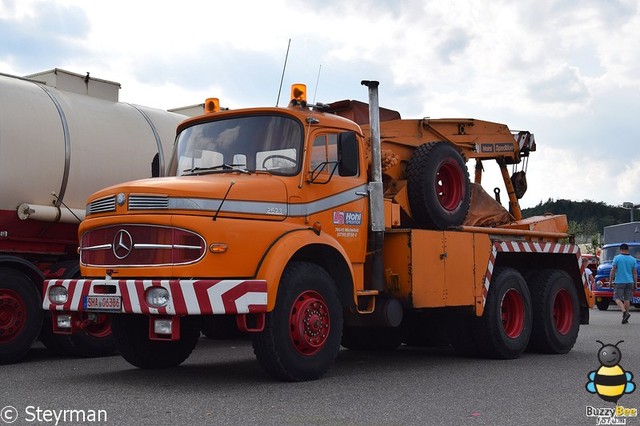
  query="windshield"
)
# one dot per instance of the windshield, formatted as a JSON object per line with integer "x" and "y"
{"x": 271, "y": 143}
{"x": 609, "y": 253}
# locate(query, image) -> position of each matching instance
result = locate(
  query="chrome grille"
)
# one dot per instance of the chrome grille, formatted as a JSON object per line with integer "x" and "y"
{"x": 148, "y": 202}
{"x": 132, "y": 245}
{"x": 103, "y": 205}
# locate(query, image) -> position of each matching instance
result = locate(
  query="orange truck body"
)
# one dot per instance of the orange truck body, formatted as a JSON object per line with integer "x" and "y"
{"x": 229, "y": 235}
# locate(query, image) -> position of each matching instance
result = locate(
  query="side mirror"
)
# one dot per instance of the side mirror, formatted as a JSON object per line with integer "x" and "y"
{"x": 155, "y": 166}
{"x": 347, "y": 154}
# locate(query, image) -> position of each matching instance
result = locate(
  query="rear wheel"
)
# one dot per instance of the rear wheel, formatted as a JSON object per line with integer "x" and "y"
{"x": 556, "y": 315}
{"x": 438, "y": 186}
{"x": 131, "y": 333}
{"x": 20, "y": 315}
{"x": 504, "y": 329}
{"x": 302, "y": 334}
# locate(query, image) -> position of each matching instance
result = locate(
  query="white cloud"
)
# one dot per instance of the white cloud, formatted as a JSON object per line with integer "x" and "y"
{"x": 563, "y": 69}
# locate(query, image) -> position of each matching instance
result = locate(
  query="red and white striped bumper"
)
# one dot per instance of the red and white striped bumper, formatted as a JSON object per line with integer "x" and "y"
{"x": 527, "y": 247}
{"x": 186, "y": 297}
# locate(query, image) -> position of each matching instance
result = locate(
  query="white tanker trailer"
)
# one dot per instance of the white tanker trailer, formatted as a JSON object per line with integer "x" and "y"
{"x": 62, "y": 137}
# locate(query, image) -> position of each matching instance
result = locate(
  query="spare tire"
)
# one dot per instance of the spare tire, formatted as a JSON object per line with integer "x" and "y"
{"x": 438, "y": 186}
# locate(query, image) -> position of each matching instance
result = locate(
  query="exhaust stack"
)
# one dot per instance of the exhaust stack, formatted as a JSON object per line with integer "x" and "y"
{"x": 376, "y": 200}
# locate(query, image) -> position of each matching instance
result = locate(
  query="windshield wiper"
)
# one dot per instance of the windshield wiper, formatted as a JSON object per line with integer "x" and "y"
{"x": 215, "y": 169}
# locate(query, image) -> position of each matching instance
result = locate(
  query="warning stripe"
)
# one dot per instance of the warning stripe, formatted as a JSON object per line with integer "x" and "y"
{"x": 525, "y": 247}
{"x": 186, "y": 297}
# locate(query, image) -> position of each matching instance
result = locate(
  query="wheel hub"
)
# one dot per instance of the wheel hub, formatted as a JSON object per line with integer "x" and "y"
{"x": 512, "y": 314}
{"x": 563, "y": 312}
{"x": 12, "y": 315}
{"x": 309, "y": 323}
{"x": 448, "y": 186}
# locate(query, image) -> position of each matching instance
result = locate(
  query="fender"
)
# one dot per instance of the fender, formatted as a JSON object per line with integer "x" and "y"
{"x": 283, "y": 248}
{"x": 25, "y": 267}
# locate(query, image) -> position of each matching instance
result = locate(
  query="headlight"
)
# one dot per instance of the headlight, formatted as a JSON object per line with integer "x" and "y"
{"x": 58, "y": 295}
{"x": 157, "y": 297}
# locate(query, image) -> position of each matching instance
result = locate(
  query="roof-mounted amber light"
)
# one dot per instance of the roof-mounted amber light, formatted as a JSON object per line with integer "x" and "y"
{"x": 211, "y": 105}
{"x": 299, "y": 93}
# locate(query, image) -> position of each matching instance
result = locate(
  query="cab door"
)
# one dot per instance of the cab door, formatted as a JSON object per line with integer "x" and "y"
{"x": 335, "y": 189}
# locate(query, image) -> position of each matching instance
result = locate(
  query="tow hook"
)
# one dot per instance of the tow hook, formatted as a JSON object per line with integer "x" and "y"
{"x": 83, "y": 324}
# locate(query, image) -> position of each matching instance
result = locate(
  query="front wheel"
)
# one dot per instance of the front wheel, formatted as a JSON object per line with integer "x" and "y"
{"x": 93, "y": 341}
{"x": 302, "y": 334}
{"x": 603, "y": 304}
{"x": 131, "y": 333}
{"x": 504, "y": 329}
{"x": 556, "y": 315}
{"x": 96, "y": 340}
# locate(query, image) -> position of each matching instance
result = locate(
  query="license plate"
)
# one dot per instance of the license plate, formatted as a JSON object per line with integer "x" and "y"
{"x": 102, "y": 303}
{"x": 635, "y": 299}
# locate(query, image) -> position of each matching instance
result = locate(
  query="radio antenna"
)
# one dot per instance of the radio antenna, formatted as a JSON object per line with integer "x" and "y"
{"x": 283, "y": 70}
{"x": 317, "y": 81}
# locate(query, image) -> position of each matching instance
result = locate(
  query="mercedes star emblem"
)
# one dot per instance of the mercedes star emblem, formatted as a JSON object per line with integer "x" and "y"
{"x": 122, "y": 244}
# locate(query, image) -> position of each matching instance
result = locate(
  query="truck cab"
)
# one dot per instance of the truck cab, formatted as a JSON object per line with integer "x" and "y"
{"x": 603, "y": 290}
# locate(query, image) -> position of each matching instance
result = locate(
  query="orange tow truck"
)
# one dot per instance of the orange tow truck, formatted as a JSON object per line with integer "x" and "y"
{"x": 317, "y": 226}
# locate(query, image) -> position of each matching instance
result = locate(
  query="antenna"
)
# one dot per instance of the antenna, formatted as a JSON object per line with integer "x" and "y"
{"x": 283, "y": 70}
{"x": 317, "y": 81}
{"x": 215, "y": 216}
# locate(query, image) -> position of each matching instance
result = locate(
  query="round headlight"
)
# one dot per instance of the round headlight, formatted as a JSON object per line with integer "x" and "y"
{"x": 58, "y": 295}
{"x": 157, "y": 297}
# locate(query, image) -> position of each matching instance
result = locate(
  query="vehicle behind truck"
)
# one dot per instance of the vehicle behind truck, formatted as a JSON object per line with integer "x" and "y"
{"x": 316, "y": 226}
{"x": 615, "y": 235}
{"x": 62, "y": 137}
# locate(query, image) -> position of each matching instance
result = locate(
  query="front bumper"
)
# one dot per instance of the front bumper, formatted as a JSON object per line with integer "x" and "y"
{"x": 607, "y": 294}
{"x": 185, "y": 297}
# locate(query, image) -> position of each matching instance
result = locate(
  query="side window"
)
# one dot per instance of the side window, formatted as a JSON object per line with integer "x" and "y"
{"x": 324, "y": 153}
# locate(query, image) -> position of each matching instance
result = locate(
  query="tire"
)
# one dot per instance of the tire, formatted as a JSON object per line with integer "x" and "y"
{"x": 371, "y": 338}
{"x": 504, "y": 329}
{"x": 438, "y": 186}
{"x": 556, "y": 312}
{"x": 603, "y": 305}
{"x": 287, "y": 349}
{"x": 131, "y": 334}
{"x": 95, "y": 341}
{"x": 20, "y": 315}
{"x": 220, "y": 327}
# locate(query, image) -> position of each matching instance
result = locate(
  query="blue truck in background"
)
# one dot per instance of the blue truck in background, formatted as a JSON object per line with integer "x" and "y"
{"x": 615, "y": 235}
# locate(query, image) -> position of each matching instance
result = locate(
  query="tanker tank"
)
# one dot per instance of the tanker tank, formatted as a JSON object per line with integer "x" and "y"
{"x": 62, "y": 137}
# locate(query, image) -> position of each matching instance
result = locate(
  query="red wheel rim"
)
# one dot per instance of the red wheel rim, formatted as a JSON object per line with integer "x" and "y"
{"x": 309, "y": 323}
{"x": 563, "y": 311}
{"x": 100, "y": 328}
{"x": 512, "y": 313}
{"x": 449, "y": 188}
{"x": 12, "y": 315}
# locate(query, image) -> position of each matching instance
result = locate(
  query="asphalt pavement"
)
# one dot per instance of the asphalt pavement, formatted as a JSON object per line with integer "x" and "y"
{"x": 221, "y": 383}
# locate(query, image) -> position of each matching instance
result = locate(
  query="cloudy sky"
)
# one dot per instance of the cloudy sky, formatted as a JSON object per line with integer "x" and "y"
{"x": 566, "y": 70}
